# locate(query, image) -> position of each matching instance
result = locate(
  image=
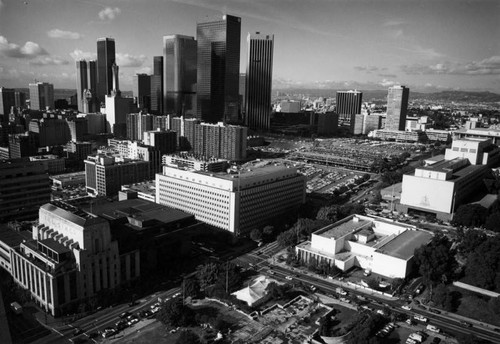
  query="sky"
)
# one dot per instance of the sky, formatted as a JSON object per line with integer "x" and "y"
{"x": 427, "y": 45}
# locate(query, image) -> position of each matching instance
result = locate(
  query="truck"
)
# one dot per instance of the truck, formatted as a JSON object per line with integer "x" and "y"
{"x": 17, "y": 308}
{"x": 433, "y": 328}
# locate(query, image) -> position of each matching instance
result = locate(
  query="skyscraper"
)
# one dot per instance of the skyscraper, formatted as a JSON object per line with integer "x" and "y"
{"x": 397, "y": 105}
{"x": 105, "y": 59}
{"x": 117, "y": 108}
{"x": 81, "y": 83}
{"x": 142, "y": 91}
{"x": 156, "y": 106}
{"x": 91, "y": 102}
{"x": 348, "y": 104}
{"x": 41, "y": 95}
{"x": 259, "y": 81}
{"x": 179, "y": 75}
{"x": 7, "y": 100}
{"x": 218, "y": 69}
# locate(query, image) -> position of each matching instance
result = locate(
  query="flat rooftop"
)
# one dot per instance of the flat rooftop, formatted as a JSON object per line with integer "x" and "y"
{"x": 11, "y": 237}
{"x": 70, "y": 213}
{"x": 336, "y": 231}
{"x": 445, "y": 165}
{"x": 54, "y": 246}
{"x": 403, "y": 246}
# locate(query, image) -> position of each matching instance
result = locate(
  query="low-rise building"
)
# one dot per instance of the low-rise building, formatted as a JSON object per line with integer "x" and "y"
{"x": 379, "y": 245}
{"x": 52, "y": 163}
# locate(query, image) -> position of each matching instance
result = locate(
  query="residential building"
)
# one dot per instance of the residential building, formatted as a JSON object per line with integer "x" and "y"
{"x": 137, "y": 124}
{"x": 24, "y": 187}
{"x": 179, "y": 75}
{"x": 218, "y": 69}
{"x": 105, "y": 60}
{"x": 349, "y": 104}
{"x": 41, "y": 96}
{"x": 236, "y": 202}
{"x": 220, "y": 141}
{"x": 384, "y": 247}
{"x": 289, "y": 106}
{"x": 259, "y": 81}
{"x": 397, "y": 106}
{"x": 106, "y": 174}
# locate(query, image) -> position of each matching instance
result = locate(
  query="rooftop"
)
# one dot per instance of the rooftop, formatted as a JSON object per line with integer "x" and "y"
{"x": 70, "y": 213}
{"x": 403, "y": 246}
{"x": 338, "y": 230}
{"x": 11, "y": 237}
{"x": 446, "y": 165}
{"x": 54, "y": 246}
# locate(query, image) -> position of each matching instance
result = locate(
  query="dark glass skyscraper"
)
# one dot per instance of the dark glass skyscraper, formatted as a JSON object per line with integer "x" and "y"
{"x": 397, "y": 106}
{"x": 81, "y": 82}
{"x": 142, "y": 91}
{"x": 218, "y": 69}
{"x": 105, "y": 59}
{"x": 179, "y": 75}
{"x": 259, "y": 81}
{"x": 157, "y": 86}
{"x": 348, "y": 104}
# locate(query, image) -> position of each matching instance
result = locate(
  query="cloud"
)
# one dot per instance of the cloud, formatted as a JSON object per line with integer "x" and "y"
{"x": 369, "y": 69}
{"x": 394, "y": 22}
{"x": 109, "y": 13}
{"x": 56, "y": 33}
{"x": 383, "y": 75}
{"x": 78, "y": 54}
{"x": 29, "y": 50}
{"x": 48, "y": 61}
{"x": 488, "y": 66}
{"x": 143, "y": 70}
{"x": 127, "y": 60}
{"x": 427, "y": 53}
{"x": 387, "y": 83}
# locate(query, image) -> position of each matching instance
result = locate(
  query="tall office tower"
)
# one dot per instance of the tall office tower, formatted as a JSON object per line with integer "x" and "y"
{"x": 179, "y": 75}
{"x": 89, "y": 97}
{"x": 137, "y": 124}
{"x": 7, "y": 100}
{"x": 41, "y": 95}
{"x": 242, "y": 90}
{"x": 105, "y": 60}
{"x": 117, "y": 108}
{"x": 20, "y": 99}
{"x": 397, "y": 106}
{"x": 25, "y": 187}
{"x": 348, "y": 104}
{"x": 104, "y": 175}
{"x": 218, "y": 69}
{"x": 157, "y": 86}
{"x": 81, "y": 83}
{"x": 259, "y": 81}
{"x": 142, "y": 91}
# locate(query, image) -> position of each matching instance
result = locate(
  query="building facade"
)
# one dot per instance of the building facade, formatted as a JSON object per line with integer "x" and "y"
{"x": 7, "y": 100}
{"x": 179, "y": 75}
{"x": 259, "y": 81}
{"x": 105, "y": 60}
{"x": 24, "y": 187}
{"x": 349, "y": 104}
{"x": 142, "y": 91}
{"x": 220, "y": 141}
{"x": 157, "y": 86}
{"x": 236, "y": 202}
{"x": 397, "y": 106}
{"x": 41, "y": 96}
{"x": 218, "y": 69}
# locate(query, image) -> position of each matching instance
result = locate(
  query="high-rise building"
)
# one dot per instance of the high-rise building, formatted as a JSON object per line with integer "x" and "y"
{"x": 220, "y": 141}
{"x": 349, "y": 104}
{"x": 22, "y": 145}
{"x": 104, "y": 175}
{"x": 86, "y": 86}
{"x": 218, "y": 69}
{"x": 51, "y": 131}
{"x": 137, "y": 124}
{"x": 105, "y": 60}
{"x": 142, "y": 91}
{"x": 397, "y": 106}
{"x": 20, "y": 99}
{"x": 117, "y": 108}
{"x": 24, "y": 186}
{"x": 259, "y": 81}
{"x": 81, "y": 82}
{"x": 242, "y": 90}
{"x": 41, "y": 96}
{"x": 179, "y": 75}
{"x": 157, "y": 86}
{"x": 236, "y": 202}
{"x": 163, "y": 140}
{"x": 7, "y": 100}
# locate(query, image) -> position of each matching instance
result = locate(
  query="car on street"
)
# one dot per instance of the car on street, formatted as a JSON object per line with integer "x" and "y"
{"x": 121, "y": 325}
{"x": 77, "y": 331}
{"x": 132, "y": 321}
{"x": 289, "y": 278}
{"x": 124, "y": 315}
{"x": 466, "y": 324}
{"x": 406, "y": 307}
{"x": 420, "y": 318}
{"x": 108, "y": 332}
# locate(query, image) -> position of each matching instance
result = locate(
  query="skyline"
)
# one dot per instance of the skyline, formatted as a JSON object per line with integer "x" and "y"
{"x": 424, "y": 45}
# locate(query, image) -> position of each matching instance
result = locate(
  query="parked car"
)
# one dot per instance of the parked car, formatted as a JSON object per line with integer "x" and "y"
{"x": 289, "y": 278}
{"x": 406, "y": 307}
{"x": 420, "y": 318}
{"x": 124, "y": 315}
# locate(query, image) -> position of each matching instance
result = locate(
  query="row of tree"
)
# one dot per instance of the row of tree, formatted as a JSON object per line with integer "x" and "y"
{"x": 475, "y": 215}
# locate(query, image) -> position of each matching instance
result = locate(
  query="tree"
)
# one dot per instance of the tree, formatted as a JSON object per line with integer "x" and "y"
{"x": 435, "y": 260}
{"x": 175, "y": 313}
{"x": 220, "y": 324}
{"x": 470, "y": 240}
{"x": 191, "y": 287}
{"x": 439, "y": 294}
{"x": 372, "y": 283}
{"x": 483, "y": 265}
{"x": 256, "y": 234}
{"x": 287, "y": 239}
{"x": 188, "y": 337}
{"x": 207, "y": 274}
{"x": 492, "y": 222}
{"x": 268, "y": 232}
{"x": 470, "y": 215}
